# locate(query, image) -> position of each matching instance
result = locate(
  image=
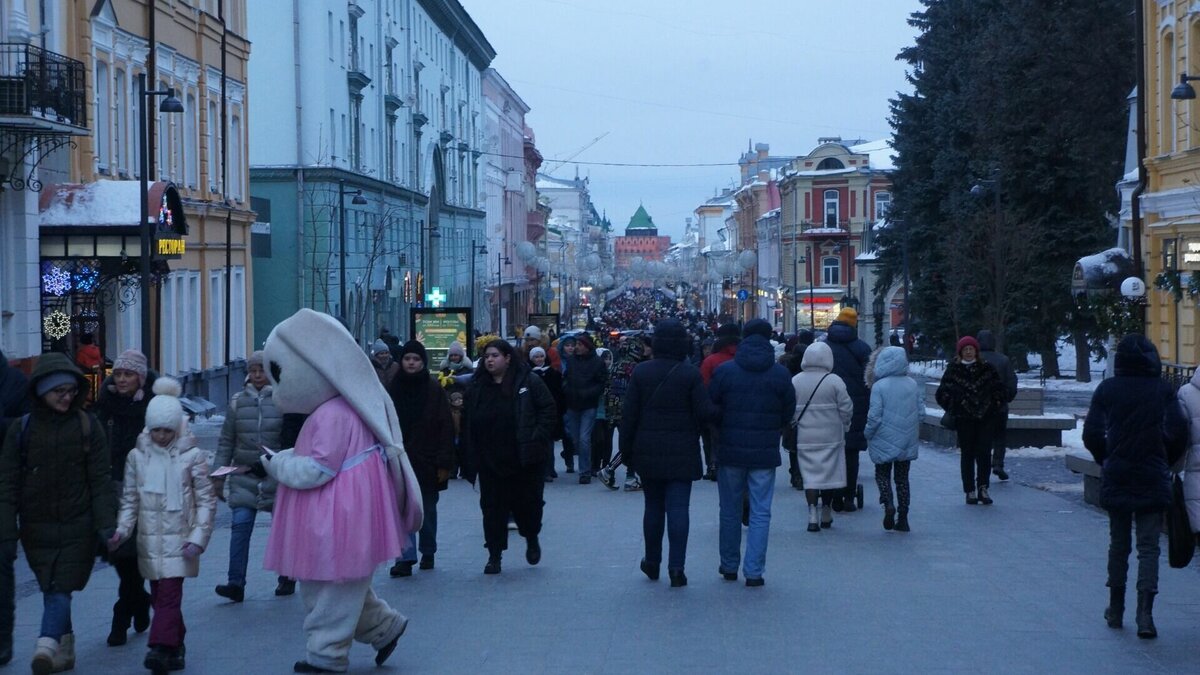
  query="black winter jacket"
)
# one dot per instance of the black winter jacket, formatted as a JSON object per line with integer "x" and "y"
{"x": 1002, "y": 364}
{"x": 664, "y": 411}
{"x": 14, "y": 394}
{"x": 971, "y": 391}
{"x": 850, "y": 356}
{"x": 536, "y": 417}
{"x": 123, "y": 419}
{"x": 1135, "y": 429}
{"x": 584, "y": 381}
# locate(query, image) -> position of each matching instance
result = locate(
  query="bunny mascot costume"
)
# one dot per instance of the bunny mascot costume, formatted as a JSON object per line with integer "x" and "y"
{"x": 347, "y": 496}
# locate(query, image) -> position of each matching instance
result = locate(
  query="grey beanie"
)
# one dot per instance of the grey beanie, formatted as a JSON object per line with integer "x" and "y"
{"x": 380, "y": 346}
{"x": 53, "y": 380}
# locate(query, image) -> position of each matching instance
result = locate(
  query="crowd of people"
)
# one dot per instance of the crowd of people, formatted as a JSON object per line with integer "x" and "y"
{"x": 308, "y": 440}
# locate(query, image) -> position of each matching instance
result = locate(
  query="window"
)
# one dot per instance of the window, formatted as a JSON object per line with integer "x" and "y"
{"x": 161, "y": 137}
{"x": 355, "y": 132}
{"x": 214, "y": 141}
{"x": 237, "y": 315}
{"x": 216, "y": 317}
{"x": 191, "y": 152}
{"x": 192, "y": 336}
{"x": 120, "y": 131}
{"x": 829, "y": 164}
{"x": 329, "y": 35}
{"x": 1170, "y": 255}
{"x": 391, "y": 149}
{"x": 832, "y": 203}
{"x": 235, "y": 157}
{"x": 134, "y": 142}
{"x": 883, "y": 202}
{"x": 830, "y": 271}
{"x": 103, "y": 121}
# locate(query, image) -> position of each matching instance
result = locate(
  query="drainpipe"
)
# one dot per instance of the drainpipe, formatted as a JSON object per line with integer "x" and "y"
{"x": 298, "y": 84}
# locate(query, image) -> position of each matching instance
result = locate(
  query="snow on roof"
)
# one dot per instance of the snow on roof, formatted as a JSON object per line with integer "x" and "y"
{"x": 867, "y": 256}
{"x": 824, "y": 230}
{"x": 1105, "y": 263}
{"x": 103, "y": 202}
{"x": 882, "y": 155}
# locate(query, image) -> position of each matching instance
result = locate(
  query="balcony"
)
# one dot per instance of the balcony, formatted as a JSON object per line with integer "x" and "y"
{"x": 41, "y": 92}
{"x": 356, "y": 74}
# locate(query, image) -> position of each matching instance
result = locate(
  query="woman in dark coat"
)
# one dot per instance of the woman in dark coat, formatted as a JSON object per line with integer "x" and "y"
{"x": 424, "y": 412}
{"x": 664, "y": 413}
{"x": 972, "y": 391}
{"x": 510, "y": 419}
{"x": 1136, "y": 430}
{"x": 121, "y": 409}
{"x": 540, "y": 364}
{"x": 56, "y": 495}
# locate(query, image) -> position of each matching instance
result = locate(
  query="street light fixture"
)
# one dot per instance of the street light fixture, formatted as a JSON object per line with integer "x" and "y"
{"x": 358, "y": 200}
{"x": 169, "y": 105}
{"x": 1184, "y": 91}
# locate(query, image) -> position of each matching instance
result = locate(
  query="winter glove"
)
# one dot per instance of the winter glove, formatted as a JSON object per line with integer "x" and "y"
{"x": 258, "y": 470}
{"x": 191, "y": 550}
{"x": 113, "y": 542}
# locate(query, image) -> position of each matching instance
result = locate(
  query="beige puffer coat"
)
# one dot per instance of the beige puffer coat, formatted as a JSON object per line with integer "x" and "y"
{"x": 146, "y": 502}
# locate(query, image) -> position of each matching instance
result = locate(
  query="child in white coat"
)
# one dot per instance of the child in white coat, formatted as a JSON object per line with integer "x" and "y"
{"x": 169, "y": 497}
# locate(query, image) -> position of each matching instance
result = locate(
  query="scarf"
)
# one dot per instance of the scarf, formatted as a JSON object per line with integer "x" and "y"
{"x": 163, "y": 473}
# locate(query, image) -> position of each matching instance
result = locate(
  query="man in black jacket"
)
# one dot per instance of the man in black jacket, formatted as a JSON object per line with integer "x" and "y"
{"x": 583, "y": 384}
{"x": 1135, "y": 430}
{"x": 850, "y": 356}
{"x": 14, "y": 402}
{"x": 987, "y": 351}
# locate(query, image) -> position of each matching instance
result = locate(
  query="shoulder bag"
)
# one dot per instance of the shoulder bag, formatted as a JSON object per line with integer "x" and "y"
{"x": 810, "y": 398}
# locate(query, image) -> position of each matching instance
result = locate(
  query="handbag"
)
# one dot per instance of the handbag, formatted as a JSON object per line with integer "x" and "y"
{"x": 810, "y": 398}
{"x": 948, "y": 421}
{"x": 1181, "y": 543}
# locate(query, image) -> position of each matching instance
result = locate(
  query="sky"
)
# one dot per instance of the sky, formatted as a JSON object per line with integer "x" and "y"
{"x": 693, "y": 82}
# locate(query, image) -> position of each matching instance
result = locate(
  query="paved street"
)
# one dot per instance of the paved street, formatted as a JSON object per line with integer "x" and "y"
{"x": 1017, "y": 587}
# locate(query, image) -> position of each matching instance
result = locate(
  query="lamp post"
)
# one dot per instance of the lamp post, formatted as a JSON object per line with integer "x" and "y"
{"x": 423, "y": 280}
{"x": 475, "y": 251}
{"x": 501, "y": 261}
{"x": 358, "y": 200}
{"x": 170, "y": 104}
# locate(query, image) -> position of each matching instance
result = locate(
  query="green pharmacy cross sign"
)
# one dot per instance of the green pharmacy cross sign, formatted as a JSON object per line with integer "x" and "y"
{"x": 436, "y": 298}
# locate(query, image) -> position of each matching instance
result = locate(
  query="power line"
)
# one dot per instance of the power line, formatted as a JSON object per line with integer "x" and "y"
{"x": 632, "y": 164}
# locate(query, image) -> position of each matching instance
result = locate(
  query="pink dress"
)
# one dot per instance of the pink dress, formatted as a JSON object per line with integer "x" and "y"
{"x": 345, "y": 528}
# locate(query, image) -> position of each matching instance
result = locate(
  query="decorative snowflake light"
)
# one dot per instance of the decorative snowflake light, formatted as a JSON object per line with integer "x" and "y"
{"x": 86, "y": 278}
{"x": 88, "y": 320}
{"x": 55, "y": 280}
{"x": 56, "y": 324}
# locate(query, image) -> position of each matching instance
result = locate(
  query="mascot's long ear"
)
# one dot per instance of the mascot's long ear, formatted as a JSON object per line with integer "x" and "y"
{"x": 325, "y": 344}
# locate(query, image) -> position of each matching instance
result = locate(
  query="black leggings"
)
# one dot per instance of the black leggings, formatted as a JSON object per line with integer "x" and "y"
{"x": 883, "y": 479}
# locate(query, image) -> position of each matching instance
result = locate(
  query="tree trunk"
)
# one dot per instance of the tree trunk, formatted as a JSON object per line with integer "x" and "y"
{"x": 1020, "y": 361}
{"x": 1049, "y": 362}
{"x": 1083, "y": 357}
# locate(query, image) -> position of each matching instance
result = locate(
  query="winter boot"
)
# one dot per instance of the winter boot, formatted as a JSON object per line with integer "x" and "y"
{"x": 231, "y": 592}
{"x": 65, "y": 658}
{"x": 402, "y": 568}
{"x": 43, "y": 656}
{"x": 984, "y": 497}
{"x": 1145, "y": 620}
{"x": 1116, "y": 606}
{"x": 814, "y": 524}
{"x": 120, "y": 626}
{"x": 889, "y": 517}
{"x": 902, "y": 521}
{"x": 678, "y": 579}
{"x": 533, "y": 550}
{"x": 826, "y": 517}
{"x": 286, "y": 586}
{"x": 141, "y": 613}
{"x": 972, "y": 499}
{"x": 177, "y": 658}
{"x": 156, "y": 660}
{"x": 493, "y": 564}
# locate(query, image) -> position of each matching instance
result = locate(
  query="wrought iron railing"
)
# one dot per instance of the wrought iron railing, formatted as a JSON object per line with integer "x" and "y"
{"x": 36, "y": 82}
{"x": 1177, "y": 374}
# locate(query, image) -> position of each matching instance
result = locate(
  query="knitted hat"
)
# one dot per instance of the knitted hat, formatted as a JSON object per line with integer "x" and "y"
{"x": 537, "y": 351}
{"x": 379, "y": 346}
{"x": 533, "y": 333}
{"x": 164, "y": 411}
{"x": 414, "y": 347}
{"x": 132, "y": 359}
{"x": 757, "y": 327}
{"x": 848, "y": 315}
{"x": 967, "y": 341}
{"x": 456, "y": 348}
{"x": 255, "y": 359}
{"x": 44, "y": 385}
{"x": 585, "y": 339}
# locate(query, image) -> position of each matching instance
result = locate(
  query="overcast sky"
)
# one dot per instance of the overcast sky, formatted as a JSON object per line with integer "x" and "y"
{"x": 692, "y": 82}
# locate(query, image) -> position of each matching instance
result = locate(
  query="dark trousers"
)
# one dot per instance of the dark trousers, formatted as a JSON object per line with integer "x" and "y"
{"x": 667, "y": 504}
{"x": 1120, "y": 542}
{"x": 883, "y": 479}
{"x": 167, "y": 629}
{"x": 131, "y": 593}
{"x": 708, "y": 440}
{"x": 851, "y": 490}
{"x": 568, "y": 448}
{"x": 602, "y": 444}
{"x": 975, "y": 442}
{"x": 8, "y": 591}
{"x": 999, "y": 439}
{"x": 520, "y": 495}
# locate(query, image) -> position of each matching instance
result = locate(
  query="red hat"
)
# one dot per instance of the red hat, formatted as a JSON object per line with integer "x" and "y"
{"x": 967, "y": 341}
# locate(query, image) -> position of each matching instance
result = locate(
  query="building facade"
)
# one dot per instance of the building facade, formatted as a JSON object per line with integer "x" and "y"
{"x": 641, "y": 240}
{"x": 371, "y": 109}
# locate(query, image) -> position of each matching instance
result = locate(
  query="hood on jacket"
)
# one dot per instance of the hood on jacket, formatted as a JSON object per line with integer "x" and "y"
{"x": 1137, "y": 357}
{"x": 49, "y": 364}
{"x": 886, "y": 362}
{"x": 818, "y": 356}
{"x": 670, "y": 340}
{"x": 840, "y": 331}
{"x": 756, "y": 354}
{"x": 986, "y": 340}
{"x": 1196, "y": 379}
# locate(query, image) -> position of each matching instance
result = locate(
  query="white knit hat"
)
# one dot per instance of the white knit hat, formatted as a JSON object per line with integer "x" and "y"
{"x": 164, "y": 410}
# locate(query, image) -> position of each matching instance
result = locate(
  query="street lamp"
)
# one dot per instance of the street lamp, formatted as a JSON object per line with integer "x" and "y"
{"x": 170, "y": 104}
{"x": 358, "y": 200}
{"x": 1184, "y": 91}
{"x": 475, "y": 251}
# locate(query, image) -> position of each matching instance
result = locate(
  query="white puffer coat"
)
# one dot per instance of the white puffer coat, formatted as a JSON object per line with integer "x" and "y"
{"x": 170, "y": 499}
{"x": 821, "y": 432}
{"x": 1189, "y": 395}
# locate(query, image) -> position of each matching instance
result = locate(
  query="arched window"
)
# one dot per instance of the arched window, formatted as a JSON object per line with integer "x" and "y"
{"x": 832, "y": 211}
{"x": 831, "y": 271}
{"x": 830, "y": 163}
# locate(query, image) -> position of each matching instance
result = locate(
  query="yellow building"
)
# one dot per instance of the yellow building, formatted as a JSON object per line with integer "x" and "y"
{"x": 1171, "y": 202}
{"x": 88, "y": 190}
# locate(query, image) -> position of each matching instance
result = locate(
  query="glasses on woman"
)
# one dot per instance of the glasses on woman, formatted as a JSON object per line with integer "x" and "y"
{"x": 65, "y": 391}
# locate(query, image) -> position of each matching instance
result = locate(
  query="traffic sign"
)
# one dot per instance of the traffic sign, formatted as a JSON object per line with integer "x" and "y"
{"x": 743, "y": 295}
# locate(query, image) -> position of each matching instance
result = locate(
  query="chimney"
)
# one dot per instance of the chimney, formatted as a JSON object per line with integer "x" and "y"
{"x": 762, "y": 150}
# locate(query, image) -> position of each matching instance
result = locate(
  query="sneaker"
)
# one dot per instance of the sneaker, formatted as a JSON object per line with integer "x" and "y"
{"x": 984, "y": 498}
{"x": 231, "y": 592}
{"x": 608, "y": 477}
{"x": 755, "y": 582}
{"x": 633, "y": 484}
{"x": 1000, "y": 473}
{"x": 971, "y": 498}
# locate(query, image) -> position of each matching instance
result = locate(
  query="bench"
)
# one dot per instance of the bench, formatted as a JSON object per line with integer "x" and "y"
{"x": 1029, "y": 426}
{"x": 1081, "y": 462}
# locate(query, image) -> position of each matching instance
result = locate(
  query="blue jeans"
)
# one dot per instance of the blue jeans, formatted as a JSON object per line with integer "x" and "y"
{"x": 428, "y": 531}
{"x": 239, "y": 543}
{"x": 56, "y": 615}
{"x": 732, "y": 484}
{"x": 579, "y": 426}
{"x": 666, "y": 505}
